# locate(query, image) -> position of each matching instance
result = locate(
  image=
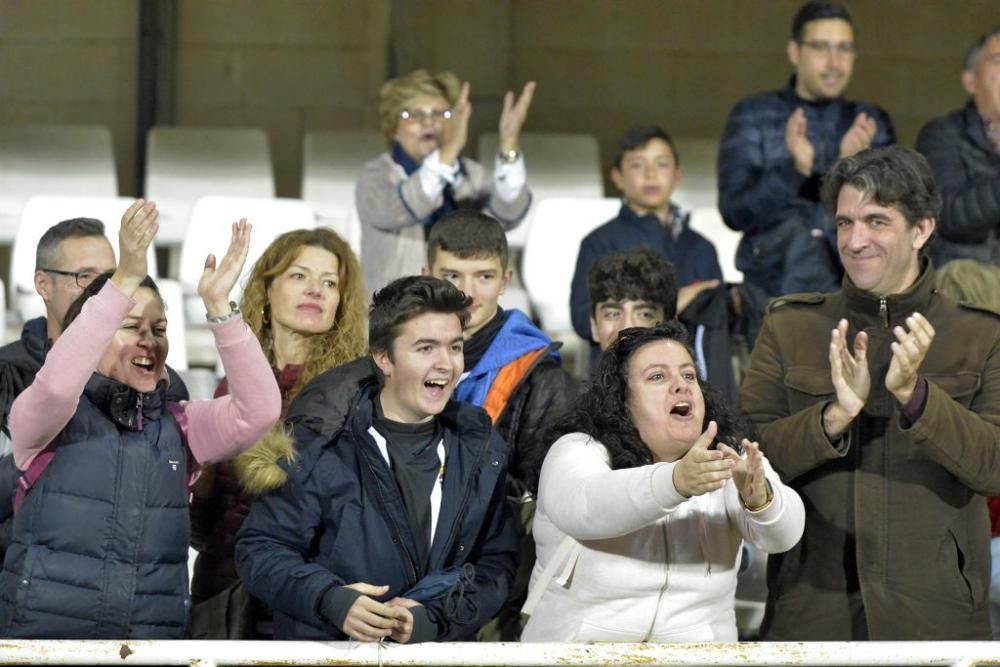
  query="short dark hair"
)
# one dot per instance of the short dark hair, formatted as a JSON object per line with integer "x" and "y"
{"x": 639, "y": 275}
{"x": 891, "y": 176}
{"x": 601, "y": 411}
{"x": 74, "y": 228}
{"x": 817, "y": 11}
{"x": 468, "y": 234}
{"x": 637, "y": 137}
{"x": 94, "y": 287}
{"x": 406, "y": 298}
{"x": 972, "y": 55}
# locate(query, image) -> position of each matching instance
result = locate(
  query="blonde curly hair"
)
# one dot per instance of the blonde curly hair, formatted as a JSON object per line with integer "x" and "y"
{"x": 347, "y": 338}
{"x": 397, "y": 93}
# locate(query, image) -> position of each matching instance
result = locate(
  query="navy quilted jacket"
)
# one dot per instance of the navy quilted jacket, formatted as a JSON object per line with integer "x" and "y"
{"x": 100, "y": 546}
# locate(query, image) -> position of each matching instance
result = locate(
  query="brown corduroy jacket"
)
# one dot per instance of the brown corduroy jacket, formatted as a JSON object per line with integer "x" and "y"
{"x": 896, "y": 523}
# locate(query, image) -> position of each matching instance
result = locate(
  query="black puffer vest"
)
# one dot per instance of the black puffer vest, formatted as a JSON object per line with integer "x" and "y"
{"x": 100, "y": 545}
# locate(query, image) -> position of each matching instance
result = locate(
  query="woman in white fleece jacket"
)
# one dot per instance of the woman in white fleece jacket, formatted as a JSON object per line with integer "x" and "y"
{"x": 656, "y": 488}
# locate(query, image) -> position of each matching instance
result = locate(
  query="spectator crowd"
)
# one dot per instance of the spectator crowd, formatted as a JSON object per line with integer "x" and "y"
{"x": 393, "y": 455}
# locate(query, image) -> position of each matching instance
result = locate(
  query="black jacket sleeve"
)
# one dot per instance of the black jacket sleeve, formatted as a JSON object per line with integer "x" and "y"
{"x": 971, "y": 201}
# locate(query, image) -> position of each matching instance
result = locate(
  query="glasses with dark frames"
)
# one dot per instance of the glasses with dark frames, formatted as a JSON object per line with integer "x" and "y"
{"x": 82, "y": 278}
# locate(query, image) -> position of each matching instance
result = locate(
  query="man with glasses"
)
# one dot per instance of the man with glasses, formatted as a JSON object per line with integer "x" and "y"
{"x": 776, "y": 148}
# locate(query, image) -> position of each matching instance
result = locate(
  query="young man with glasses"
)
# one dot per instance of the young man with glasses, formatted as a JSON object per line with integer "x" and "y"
{"x": 777, "y": 146}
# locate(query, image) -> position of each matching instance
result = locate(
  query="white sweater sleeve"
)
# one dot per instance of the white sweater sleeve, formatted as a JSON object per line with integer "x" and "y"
{"x": 586, "y": 499}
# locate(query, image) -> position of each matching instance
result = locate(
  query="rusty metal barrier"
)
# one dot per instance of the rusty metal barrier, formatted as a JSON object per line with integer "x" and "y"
{"x": 212, "y": 653}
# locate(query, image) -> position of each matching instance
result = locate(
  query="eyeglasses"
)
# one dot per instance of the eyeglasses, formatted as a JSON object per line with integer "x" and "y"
{"x": 82, "y": 278}
{"x": 424, "y": 116}
{"x": 841, "y": 48}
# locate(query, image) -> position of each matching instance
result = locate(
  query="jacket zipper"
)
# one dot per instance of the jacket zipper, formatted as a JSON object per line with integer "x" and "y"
{"x": 138, "y": 411}
{"x": 411, "y": 568}
{"x": 883, "y": 311}
{"x": 460, "y": 515}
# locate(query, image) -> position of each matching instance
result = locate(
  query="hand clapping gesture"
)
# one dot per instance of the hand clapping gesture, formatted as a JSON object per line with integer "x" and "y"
{"x": 859, "y": 136}
{"x": 851, "y": 380}
{"x": 513, "y": 116}
{"x": 748, "y": 474}
{"x": 908, "y": 353}
{"x": 138, "y": 227}
{"x": 217, "y": 281}
{"x": 798, "y": 144}
{"x": 702, "y": 470}
{"x": 456, "y": 130}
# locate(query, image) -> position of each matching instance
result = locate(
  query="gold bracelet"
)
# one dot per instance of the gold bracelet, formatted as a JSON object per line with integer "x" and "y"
{"x": 767, "y": 500}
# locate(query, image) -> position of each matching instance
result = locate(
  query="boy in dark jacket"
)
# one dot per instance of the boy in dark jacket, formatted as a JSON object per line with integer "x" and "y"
{"x": 388, "y": 516}
{"x": 512, "y": 370}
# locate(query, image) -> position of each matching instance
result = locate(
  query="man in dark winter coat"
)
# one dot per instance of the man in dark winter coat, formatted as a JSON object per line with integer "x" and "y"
{"x": 776, "y": 148}
{"x": 964, "y": 150}
{"x": 890, "y": 432}
{"x": 388, "y": 516}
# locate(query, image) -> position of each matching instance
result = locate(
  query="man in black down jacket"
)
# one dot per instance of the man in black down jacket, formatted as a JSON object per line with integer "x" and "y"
{"x": 778, "y": 145}
{"x": 390, "y": 520}
{"x": 964, "y": 151}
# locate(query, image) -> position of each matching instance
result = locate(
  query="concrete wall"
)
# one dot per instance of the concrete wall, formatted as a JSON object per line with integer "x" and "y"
{"x": 70, "y": 61}
{"x": 602, "y": 65}
{"x": 281, "y": 65}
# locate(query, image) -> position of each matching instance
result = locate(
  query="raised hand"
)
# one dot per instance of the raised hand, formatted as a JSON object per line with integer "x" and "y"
{"x": 217, "y": 281}
{"x": 859, "y": 136}
{"x": 369, "y": 620}
{"x": 748, "y": 473}
{"x": 798, "y": 143}
{"x": 908, "y": 352}
{"x": 138, "y": 227}
{"x": 701, "y": 469}
{"x": 404, "y": 626}
{"x": 513, "y": 116}
{"x": 456, "y": 130}
{"x": 851, "y": 380}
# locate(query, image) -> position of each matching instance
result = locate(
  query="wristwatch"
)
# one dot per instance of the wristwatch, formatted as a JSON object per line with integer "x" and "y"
{"x": 234, "y": 310}
{"x": 509, "y": 157}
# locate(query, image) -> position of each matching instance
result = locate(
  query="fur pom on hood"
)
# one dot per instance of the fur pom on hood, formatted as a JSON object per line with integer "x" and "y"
{"x": 259, "y": 467}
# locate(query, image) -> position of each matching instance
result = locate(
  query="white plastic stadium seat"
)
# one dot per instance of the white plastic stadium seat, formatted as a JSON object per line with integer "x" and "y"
{"x": 186, "y": 163}
{"x": 707, "y": 221}
{"x": 75, "y": 160}
{"x": 699, "y": 186}
{"x": 40, "y": 213}
{"x": 558, "y": 165}
{"x": 210, "y": 233}
{"x": 550, "y": 253}
{"x": 331, "y": 162}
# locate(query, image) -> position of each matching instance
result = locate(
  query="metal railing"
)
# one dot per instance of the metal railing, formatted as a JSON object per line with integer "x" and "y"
{"x": 211, "y": 653}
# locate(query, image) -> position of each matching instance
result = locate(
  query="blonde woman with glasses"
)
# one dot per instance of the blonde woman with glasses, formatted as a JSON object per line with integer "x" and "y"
{"x": 423, "y": 174}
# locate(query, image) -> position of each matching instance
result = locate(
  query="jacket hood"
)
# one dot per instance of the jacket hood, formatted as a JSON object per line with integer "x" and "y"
{"x": 517, "y": 337}
{"x": 259, "y": 468}
{"x": 322, "y": 406}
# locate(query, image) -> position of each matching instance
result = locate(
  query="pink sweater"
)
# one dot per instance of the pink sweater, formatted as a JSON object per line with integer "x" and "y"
{"x": 217, "y": 429}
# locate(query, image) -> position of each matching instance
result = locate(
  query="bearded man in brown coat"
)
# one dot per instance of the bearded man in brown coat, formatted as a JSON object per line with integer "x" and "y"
{"x": 891, "y": 433}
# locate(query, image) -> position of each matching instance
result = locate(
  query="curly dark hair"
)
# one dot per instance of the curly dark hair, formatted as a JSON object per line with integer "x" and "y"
{"x": 601, "y": 411}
